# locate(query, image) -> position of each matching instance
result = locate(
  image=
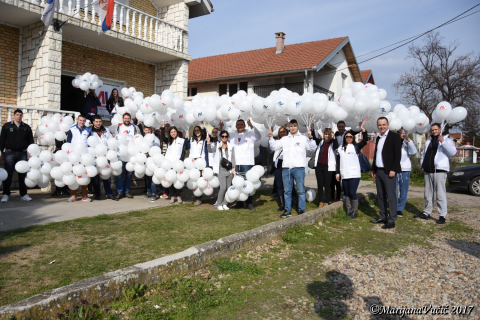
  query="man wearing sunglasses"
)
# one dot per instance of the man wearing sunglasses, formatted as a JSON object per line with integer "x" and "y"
{"x": 385, "y": 166}
{"x": 244, "y": 144}
{"x": 294, "y": 147}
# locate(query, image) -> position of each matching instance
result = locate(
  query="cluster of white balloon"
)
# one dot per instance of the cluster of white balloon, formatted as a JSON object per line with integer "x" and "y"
{"x": 242, "y": 188}
{"x": 87, "y": 81}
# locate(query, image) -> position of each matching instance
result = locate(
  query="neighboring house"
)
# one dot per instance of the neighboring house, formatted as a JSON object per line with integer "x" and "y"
{"x": 467, "y": 153}
{"x": 324, "y": 66}
{"x": 147, "y": 48}
{"x": 367, "y": 76}
{"x": 458, "y": 138}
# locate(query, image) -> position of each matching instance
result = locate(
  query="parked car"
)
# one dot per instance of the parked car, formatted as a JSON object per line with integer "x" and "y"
{"x": 466, "y": 178}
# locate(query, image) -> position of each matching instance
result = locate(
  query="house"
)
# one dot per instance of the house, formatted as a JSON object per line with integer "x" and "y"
{"x": 324, "y": 66}
{"x": 467, "y": 153}
{"x": 146, "y": 48}
{"x": 367, "y": 76}
{"x": 458, "y": 138}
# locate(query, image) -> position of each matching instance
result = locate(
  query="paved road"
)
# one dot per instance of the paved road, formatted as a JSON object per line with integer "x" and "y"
{"x": 46, "y": 209}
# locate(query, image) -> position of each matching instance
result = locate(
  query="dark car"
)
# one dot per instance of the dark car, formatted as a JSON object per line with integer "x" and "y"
{"x": 467, "y": 178}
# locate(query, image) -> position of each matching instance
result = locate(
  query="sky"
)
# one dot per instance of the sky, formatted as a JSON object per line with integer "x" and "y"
{"x": 251, "y": 24}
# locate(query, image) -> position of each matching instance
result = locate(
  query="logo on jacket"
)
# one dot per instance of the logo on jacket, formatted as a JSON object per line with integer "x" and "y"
{"x": 297, "y": 144}
{"x": 125, "y": 132}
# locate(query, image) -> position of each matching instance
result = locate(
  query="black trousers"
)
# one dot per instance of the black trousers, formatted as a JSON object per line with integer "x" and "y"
{"x": 335, "y": 186}
{"x": 324, "y": 178}
{"x": 386, "y": 191}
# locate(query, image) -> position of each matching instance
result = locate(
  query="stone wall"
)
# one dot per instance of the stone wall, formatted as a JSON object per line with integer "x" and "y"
{"x": 41, "y": 66}
{"x": 136, "y": 73}
{"x": 173, "y": 75}
{"x": 9, "y": 45}
{"x": 144, "y": 5}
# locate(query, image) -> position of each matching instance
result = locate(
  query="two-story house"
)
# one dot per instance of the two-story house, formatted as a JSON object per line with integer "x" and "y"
{"x": 146, "y": 48}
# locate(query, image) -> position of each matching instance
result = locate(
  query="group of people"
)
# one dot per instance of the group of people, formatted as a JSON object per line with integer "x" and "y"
{"x": 335, "y": 160}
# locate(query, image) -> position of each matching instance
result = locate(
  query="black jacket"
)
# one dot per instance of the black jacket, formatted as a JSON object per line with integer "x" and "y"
{"x": 111, "y": 103}
{"x": 16, "y": 138}
{"x": 391, "y": 153}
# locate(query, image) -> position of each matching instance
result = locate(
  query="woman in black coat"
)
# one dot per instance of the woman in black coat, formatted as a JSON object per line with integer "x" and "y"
{"x": 113, "y": 103}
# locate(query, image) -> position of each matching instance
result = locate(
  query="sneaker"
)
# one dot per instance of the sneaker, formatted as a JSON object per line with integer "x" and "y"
{"x": 225, "y": 207}
{"x": 72, "y": 199}
{"x": 26, "y": 198}
{"x": 215, "y": 205}
{"x": 286, "y": 214}
{"x": 146, "y": 196}
{"x": 250, "y": 207}
{"x": 441, "y": 220}
{"x": 86, "y": 199}
{"x": 179, "y": 200}
{"x": 5, "y": 198}
{"x": 301, "y": 212}
{"x": 343, "y": 198}
{"x": 220, "y": 207}
{"x": 128, "y": 195}
{"x": 164, "y": 196}
{"x": 172, "y": 200}
{"x": 399, "y": 214}
{"x": 118, "y": 196}
{"x": 153, "y": 198}
{"x": 424, "y": 216}
{"x": 111, "y": 198}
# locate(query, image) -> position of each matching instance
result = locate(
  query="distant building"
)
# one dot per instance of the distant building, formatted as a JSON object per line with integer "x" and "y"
{"x": 367, "y": 76}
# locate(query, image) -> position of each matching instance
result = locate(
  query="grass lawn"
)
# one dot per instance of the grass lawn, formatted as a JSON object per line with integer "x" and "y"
{"x": 415, "y": 180}
{"x": 89, "y": 247}
{"x": 279, "y": 280}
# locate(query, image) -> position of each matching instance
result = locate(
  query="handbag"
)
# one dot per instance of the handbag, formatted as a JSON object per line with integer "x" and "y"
{"x": 311, "y": 162}
{"x": 225, "y": 163}
{"x": 362, "y": 159}
{"x": 271, "y": 166}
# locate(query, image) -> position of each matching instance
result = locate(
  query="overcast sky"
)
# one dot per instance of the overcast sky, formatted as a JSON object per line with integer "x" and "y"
{"x": 250, "y": 24}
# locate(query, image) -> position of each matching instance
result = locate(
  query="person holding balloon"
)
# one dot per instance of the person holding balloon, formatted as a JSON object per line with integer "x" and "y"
{"x": 177, "y": 148}
{"x": 325, "y": 165}
{"x": 349, "y": 167}
{"x": 150, "y": 186}
{"x": 294, "y": 147}
{"x": 90, "y": 103}
{"x": 277, "y": 173}
{"x": 403, "y": 178}
{"x": 15, "y": 138}
{"x": 435, "y": 164}
{"x": 199, "y": 150}
{"x": 114, "y": 103}
{"x": 224, "y": 167}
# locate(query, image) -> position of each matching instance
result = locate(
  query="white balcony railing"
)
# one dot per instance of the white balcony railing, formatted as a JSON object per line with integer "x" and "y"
{"x": 32, "y": 115}
{"x": 128, "y": 21}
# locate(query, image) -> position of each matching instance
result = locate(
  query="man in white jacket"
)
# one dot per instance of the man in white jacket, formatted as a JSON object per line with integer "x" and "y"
{"x": 294, "y": 147}
{"x": 435, "y": 164}
{"x": 244, "y": 144}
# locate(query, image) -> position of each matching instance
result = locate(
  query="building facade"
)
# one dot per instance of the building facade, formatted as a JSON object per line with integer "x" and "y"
{"x": 146, "y": 48}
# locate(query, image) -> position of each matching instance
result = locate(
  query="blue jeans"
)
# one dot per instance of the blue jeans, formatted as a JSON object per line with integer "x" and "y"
{"x": 350, "y": 187}
{"x": 11, "y": 158}
{"x": 403, "y": 180}
{"x": 106, "y": 186}
{"x": 124, "y": 180}
{"x": 288, "y": 175}
{"x": 242, "y": 170}
{"x": 151, "y": 187}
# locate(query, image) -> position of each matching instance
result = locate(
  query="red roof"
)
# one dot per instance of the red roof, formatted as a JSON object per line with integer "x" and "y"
{"x": 365, "y": 75}
{"x": 295, "y": 57}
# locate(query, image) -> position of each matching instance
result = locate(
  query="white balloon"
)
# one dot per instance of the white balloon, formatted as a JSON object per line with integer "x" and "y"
{"x": 443, "y": 109}
{"x": 189, "y": 163}
{"x": 408, "y": 124}
{"x": 456, "y": 115}
{"x": 200, "y": 163}
{"x": 33, "y": 150}
{"x": 34, "y": 162}
{"x": 171, "y": 176}
{"x": 238, "y": 182}
{"x": 208, "y": 191}
{"x": 93, "y": 141}
{"x": 194, "y": 174}
{"x": 178, "y": 184}
{"x": 46, "y": 156}
{"x": 202, "y": 183}
{"x": 248, "y": 187}
{"x": 33, "y": 174}
{"x": 66, "y": 168}
{"x": 29, "y": 183}
{"x": 395, "y": 124}
{"x": 91, "y": 171}
{"x": 207, "y": 173}
{"x": 101, "y": 150}
{"x": 183, "y": 176}
{"x": 214, "y": 183}
{"x": 252, "y": 175}
{"x": 233, "y": 193}
{"x": 45, "y": 168}
{"x": 68, "y": 179}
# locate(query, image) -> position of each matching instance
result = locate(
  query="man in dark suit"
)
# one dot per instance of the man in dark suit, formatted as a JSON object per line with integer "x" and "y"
{"x": 386, "y": 165}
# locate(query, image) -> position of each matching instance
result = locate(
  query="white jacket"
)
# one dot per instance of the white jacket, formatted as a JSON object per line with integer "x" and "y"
{"x": 349, "y": 163}
{"x": 103, "y": 137}
{"x": 294, "y": 149}
{"x": 446, "y": 149}
{"x": 219, "y": 154}
{"x": 244, "y": 144}
{"x": 75, "y": 135}
{"x": 332, "y": 159}
{"x": 174, "y": 151}
{"x": 408, "y": 149}
{"x": 277, "y": 155}
{"x": 197, "y": 149}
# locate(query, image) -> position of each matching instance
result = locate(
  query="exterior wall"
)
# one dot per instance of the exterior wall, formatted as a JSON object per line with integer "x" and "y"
{"x": 40, "y": 67}
{"x": 331, "y": 80}
{"x": 144, "y": 5}
{"x": 9, "y": 45}
{"x": 135, "y": 73}
{"x": 173, "y": 75}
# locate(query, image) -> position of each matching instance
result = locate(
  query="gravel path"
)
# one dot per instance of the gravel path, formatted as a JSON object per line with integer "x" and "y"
{"x": 447, "y": 274}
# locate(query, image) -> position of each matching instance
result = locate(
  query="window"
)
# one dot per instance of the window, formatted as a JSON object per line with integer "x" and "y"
{"x": 344, "y": 80}
{"x": 244, "y": 86}
{"x": 192, "y": 92}
{"x": 222, "y": 89}
{"x": 233, "y": 88}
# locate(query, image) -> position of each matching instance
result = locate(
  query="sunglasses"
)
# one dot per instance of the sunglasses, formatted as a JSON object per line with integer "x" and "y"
{"x": 224, "y": 136}
{"x": 349, "y": 137}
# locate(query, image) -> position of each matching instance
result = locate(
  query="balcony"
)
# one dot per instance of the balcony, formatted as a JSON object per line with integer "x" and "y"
{"x": 134, "y": 33}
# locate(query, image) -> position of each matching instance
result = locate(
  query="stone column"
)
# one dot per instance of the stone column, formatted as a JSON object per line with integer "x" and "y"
{"x": 41, "y": 67}
{"x": 173, "y": 75}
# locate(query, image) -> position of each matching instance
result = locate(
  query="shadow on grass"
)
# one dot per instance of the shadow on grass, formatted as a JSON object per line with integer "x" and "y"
{"x": 472, "y": 248}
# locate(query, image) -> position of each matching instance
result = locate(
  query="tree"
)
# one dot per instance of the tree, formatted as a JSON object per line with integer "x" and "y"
{"x": 470, "y": 126}
{"x": 438, "y": 75}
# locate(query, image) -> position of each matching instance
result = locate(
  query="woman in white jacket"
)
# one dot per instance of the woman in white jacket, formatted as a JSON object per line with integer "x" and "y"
{"x": 350, "y": 169}
{"x": 177, "y": 147}
{"x": 226, "y": 151}
{"x": 199, "y": 149}
{"x": 403, "y": 178}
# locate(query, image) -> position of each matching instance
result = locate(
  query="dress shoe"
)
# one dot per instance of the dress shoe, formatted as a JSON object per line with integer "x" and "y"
{"x": 441, "y": 220}
{"x": 389, "y": 225}
{"x": 379, "y": 220}
{"x": 424, "y": 216}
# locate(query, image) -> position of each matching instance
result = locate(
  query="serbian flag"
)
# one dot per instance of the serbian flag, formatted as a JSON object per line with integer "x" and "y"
{"x": 104, "y": 9}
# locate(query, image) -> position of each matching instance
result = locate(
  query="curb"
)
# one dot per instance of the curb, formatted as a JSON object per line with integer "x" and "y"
{"x": 109, "y": 286}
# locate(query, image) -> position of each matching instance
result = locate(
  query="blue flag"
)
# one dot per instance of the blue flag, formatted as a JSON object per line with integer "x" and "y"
{"x": 48, "y": 12}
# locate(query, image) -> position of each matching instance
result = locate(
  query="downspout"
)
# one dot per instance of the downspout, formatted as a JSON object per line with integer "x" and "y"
{"x": 19, "y": 76}
{"x": 155, "y": 83}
